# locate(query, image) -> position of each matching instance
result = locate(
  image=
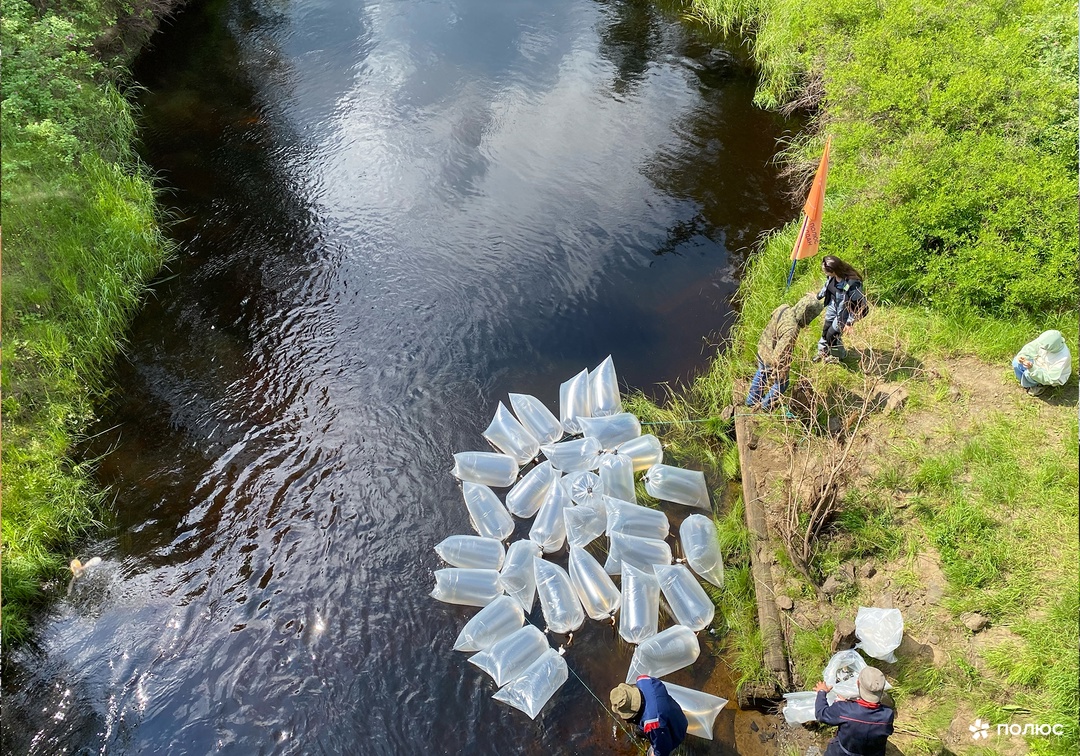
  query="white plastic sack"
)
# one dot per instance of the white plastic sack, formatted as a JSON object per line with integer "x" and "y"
{"x": 645, "y": 451}
{"x": 612, "y": 430}
{"x": 617, "y": 472}
{"x": 535, "y": 687}
{"x": 512, "y": 655}
{"x": 879, "y": 632}
{"x": 842, "y": 674}
{"x": 536, "y": 418}
{"x": 643, "y": 553}
{"x": 468, "y": 587}
{"x": 525, "y": 498}
{"x": 572, "y": 456}
{"x": 486, "y": 468}
{"x": 799, "y": 707}
{"x": 574, "y": 401}
{"x": 472, "y": 551}
{"x": 584, "y": 524}
{"x": 585, "y": 487}
{"x": 700, "y": 708}
{"x": 664, "y": 653}
{"x": 549, "y": 527}
{"x": 604, "y": 396}
{"x": 677, "y": 484}
{"x": 509, "y": 436}
{"x": 640, "y": 615}
{"x": 634, "y": 519}
{"x": 562, "y": 607}
{"x": 689, "y": 603}
{"x": 698, "y": 537}
{"x": 488, "y": 515}
{"x": 518, "y": 577}
{"x": 490, "y": 625}
{"x": 597, "y": 592}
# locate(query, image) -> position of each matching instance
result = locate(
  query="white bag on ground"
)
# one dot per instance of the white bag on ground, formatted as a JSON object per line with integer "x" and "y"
{"x": 700, "y": 708}
{"x": 640, "y": 614}
{"x": 456, "y": 585}
{"x": 879, "y": 632}
{"x": 617, "y": 472}
{"x": 558, "y": 599}
{"x": 645, "y": 451}
{"x": 698, "y": 537}
{"x": 604, "y": 399}
{"x": 472, "y": 551}
{"x": 525, "y": 498}
{"x": 597, "y": 592}
{"x": 512, "y": 655}
{"x": 486, "y": 468}
{"x": 490, "y": 625}
{"x": 664, "y": 653}
{"x": 509, "y": 436}
{"x": 612, "y": 430}
{"x": 536, "y": 685}
{"x": 799, "y": 707}
{"x": 488, "y": 515}
{"x": 643, "y": 553}
{"x": 585, "y": 487}
{"x": 549, "y": 527}
{"x": 572, "y": 456}
{"x": 689, "y": 603}
{"x": 536, "y": 418}
{"x": 634, "y": 519}
{"x": 584, "y": 524}
{"x": 574, "y": 402}
{"x": 518, "y": 575}
{"x": 677, "y": 484}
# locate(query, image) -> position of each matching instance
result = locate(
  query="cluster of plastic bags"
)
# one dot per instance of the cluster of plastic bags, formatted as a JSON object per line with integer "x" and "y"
{"x": 582, "y": 490}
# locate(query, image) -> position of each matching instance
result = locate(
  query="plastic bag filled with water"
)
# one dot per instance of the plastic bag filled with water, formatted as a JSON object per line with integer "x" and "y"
{"x": 558, "y": 599}
{"x": 517, "y": 575}
{"x": 536, "y": 418}
{"x": 612, "y": 430}
{"x": 536, "y": 685}
{"x": 799, "y": 707}
{"x": 512, "y": 655}
{"x": 688, "y": 601}
{"x": 664, "y": 653}
{"x": 604, "y": 399}
{"x": 645, "y": 451}
{"x": 549, "y": 527}
{"x": 597, "y": 592}
{"x": 572, "y": 456}
{"x": 700, "y": 708}
{"x": 525, "y": 498}
{"x": 640, "y": 615}
{"x": 643, "y": 553}
{"x": 469, "y": 587}
{"x": 472, "y": 551}
{"x": 574, "y": 402}
{"x": 490, "y": 625}
{"x": 584, "y": 524}
{"x": 485, "y": 468}
{"x": 702, "y": 549}
{"x": 510, "y": 437}
{"x": 677, "y": 484}
{"x": 617, "y": 473}
{"x": 879, "y": 632}
{"x": 488, "y": 515}
{"x": 585, "y": 487}
{"x": 634, "y": 519}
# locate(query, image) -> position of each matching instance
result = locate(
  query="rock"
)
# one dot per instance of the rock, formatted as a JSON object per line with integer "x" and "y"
{"x": 933, "y": 639}
{"x": 813, "y": 751}
{"x": 847, "y": 572}
{"x": 889, "y": 396}
{"x": 835, "y": 425}
{"x": 974, "y": 621}
{"x": 832, "y": 586}
{"x": 751, "y": 442}
{"x": 934, "y": 592}
{"x": 844, "y": 636}
{"x": 884, "y": 600}
{"x": 785, "y": 603}
{"x": 754, "y": 726}
{"x": 728, "y": 413}
{"x": 867, "y": 570}
{"x": 954, "y": 393}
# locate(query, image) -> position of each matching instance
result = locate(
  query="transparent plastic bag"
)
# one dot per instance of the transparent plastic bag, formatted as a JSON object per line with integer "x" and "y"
{"x": 842, "y": 673}
{"x": 472, "y": 551}
{"x": 549, "y": 527}
{"x": 585, "y": 487}
{"x": 488, "y": 515}
{"x": 799, "y": 707}
{"x": 536, "y": 685}
{"x": 688, "y": 601}
{"x": 572, "y": 456}
{"x": 612, "y": 430}
{"x": 664, "y": 653}
{"x": 525, "y": 498}
{"x": 643, "y": 553}
{"x": 677, "y": 484}
{"x": 640, "y": 615}
{"x": 700, "y": 708}
{"x": 879, "y": 632}
{"x": 490, "y": 625}
{"x": 645, "y": 451}
{"x": 574, "y": 402}
{"x": 604, "y": 399}
{"x": 584, "y": 524}
{"x": 468, "y": 587}
{"x": 485, "y": 468}
{"x": 518, "y": 577}
{"x": 510, "y": 437}
{"x": 536, "y": 418}
{"x": 512, "y": 655}
{"x": 598, "y": 594}
{"x": 562, "y": 608}
{"x": 634, "y": 519}
{"x": 698, "y": 537}
{"x": 617, "y": 472}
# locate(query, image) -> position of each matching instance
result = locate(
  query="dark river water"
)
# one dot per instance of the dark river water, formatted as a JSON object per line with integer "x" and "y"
{"x": 389, "y": 214}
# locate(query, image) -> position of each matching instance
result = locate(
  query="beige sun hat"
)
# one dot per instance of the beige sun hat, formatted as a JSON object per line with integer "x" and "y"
{"x": 625, "y": 700}
{"x": 871, "y": 684}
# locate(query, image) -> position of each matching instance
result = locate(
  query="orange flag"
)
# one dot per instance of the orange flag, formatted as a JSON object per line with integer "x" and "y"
{"x": 806, "y": 245}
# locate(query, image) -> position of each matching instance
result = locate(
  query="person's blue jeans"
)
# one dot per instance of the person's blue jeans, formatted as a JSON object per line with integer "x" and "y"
{"x": 765, "y": 387}
{"x": 1021, "y": 374}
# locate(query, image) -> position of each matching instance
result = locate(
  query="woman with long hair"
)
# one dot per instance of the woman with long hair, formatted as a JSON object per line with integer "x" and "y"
{"x": 844, "y": 304}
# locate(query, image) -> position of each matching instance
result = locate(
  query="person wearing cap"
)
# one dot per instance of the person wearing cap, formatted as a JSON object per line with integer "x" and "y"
{"x": 865, "y": 723}
{"x": 776, "y": 350}
{"x": 648, "y": 704}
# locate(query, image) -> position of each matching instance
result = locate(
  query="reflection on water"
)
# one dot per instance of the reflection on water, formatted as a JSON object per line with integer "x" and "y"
{"x": 390, "y": 214}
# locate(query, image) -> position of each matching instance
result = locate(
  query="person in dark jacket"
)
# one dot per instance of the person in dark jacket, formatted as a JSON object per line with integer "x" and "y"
{"x": 865, "y": 723}
{"x": 776, "y": 349}
{"x": 844, "y": 304}
{"x": 647, "y": 704}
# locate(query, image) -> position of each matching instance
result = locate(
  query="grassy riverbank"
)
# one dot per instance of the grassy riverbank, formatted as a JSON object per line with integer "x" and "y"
{"x": 81, "y": 238}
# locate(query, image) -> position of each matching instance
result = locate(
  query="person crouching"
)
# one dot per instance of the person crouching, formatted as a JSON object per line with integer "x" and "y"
{"x": 776, "y": 350}
{"x": 865, "y": 723}
{"x": 648, "y": 704}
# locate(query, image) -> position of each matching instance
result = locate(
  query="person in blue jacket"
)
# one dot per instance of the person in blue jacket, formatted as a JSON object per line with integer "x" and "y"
{"x": 865, "y": 722}
{"x": 844, "y": 304}
{"x": 647, "y": 704}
